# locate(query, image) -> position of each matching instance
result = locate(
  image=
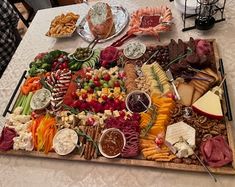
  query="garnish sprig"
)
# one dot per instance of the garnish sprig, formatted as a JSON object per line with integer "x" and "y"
{"x": 189, "y": 51}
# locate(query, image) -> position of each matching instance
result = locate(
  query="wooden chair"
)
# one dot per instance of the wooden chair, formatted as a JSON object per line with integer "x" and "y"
{"x": 28, "y": 8}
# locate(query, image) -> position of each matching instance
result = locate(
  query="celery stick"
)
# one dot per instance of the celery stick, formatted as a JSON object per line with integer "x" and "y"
{"x": 23, "y": 101}
{"x": 27, "y": 103}
{"x": 29, "y": 110}
{"x": 18, "y": 101}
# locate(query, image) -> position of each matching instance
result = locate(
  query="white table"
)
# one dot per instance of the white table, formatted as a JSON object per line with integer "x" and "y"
{"x": 19, "y": 171}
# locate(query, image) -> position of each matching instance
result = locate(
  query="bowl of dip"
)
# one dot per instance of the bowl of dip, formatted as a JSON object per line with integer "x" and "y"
{"x": 134, "y": 50}
{"x": 111, "y": 143}
{"x": 65, "y": 141}
{"x": 40, "y": 99}
{"x": 138, "y": 101}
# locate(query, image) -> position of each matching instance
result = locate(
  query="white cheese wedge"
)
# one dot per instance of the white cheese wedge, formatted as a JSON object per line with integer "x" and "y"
{"x": 209, "y": 105}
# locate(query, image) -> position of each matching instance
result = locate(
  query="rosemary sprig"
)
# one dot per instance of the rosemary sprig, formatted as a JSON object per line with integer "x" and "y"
{"x": 71, "y": 109}
{"x": 189, "y": 51}
{"x": 88, "y": 138}
{"x": 156, "y": 77}
{"x": 151, "y": 123}
{"x": 122, "y": 61}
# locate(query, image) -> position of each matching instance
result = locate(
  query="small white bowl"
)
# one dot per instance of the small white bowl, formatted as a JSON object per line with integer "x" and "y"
{"x": 102, "y": 136}
{"x": 65, "y": 132}
{"x": 138, "y": 92}
{"x": 40, "y": 93}
{"x": 142, "y": 50}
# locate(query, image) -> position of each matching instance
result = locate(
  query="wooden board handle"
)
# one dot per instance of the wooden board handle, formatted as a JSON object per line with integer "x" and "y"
{"x": 226, "y": 95}
{"x": 14, "y": 94}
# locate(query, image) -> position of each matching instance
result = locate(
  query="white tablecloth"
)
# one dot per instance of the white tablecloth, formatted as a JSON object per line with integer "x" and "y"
{"x": 19, "y": 171}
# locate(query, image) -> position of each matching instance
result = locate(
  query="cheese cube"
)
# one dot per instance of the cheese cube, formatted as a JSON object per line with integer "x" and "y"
{"x": 116, "y": 113}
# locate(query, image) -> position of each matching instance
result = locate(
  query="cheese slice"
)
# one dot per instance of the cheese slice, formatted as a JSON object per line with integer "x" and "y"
{"x": 209, "y": 105}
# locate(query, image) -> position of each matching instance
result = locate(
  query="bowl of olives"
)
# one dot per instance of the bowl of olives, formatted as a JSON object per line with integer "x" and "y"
{"x": 82, "y": 54}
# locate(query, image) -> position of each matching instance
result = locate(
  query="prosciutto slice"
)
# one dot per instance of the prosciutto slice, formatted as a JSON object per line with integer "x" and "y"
{"x": 216, "y": 152}
{"x": 6, "y": 139}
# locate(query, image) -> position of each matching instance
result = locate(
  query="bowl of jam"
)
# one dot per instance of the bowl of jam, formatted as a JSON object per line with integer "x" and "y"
{"x": 138, "y": 101}
{"x": 111, "y": 143}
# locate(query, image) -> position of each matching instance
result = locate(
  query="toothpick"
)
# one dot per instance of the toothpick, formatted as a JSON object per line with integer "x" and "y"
{"x": 222, "y": 81}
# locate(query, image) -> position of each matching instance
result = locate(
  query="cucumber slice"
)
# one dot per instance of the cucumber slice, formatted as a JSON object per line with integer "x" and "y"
{"x": 89, "y": 63}
{"x": 92, "y": 62}
{"x": 85, "y": 65}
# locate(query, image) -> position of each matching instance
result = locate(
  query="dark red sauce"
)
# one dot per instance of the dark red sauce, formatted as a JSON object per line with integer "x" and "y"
{"x": 134, "y": 103}
{"x": 150, "y": 21}
{"x": 112, "y": 143}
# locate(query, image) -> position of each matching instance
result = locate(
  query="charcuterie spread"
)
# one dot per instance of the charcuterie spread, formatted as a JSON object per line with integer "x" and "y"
{"x": 120, "y": 103}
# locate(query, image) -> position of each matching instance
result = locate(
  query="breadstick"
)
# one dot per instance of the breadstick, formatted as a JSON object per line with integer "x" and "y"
{"x": 95, "y": 140}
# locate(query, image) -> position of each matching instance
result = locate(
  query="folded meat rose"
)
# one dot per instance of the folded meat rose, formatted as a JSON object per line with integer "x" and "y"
{"x": 100, "y": 20}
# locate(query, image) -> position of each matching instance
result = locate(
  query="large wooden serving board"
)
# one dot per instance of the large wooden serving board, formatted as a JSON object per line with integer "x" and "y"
{"x": 143, "y": 162}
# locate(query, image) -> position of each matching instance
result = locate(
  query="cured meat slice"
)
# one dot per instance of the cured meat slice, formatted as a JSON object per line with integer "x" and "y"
{"x": 6, "y": 139}
{"x": 216, "y": 152}
{"x": 208, "y": 148}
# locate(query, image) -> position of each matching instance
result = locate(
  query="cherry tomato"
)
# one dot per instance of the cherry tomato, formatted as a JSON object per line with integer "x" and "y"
{"x": 170, "y": 95}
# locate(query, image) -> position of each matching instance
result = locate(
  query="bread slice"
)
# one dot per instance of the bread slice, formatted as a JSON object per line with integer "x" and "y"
{"x": 198, "y": 86}
{"x": 186, "y": 92}
{"x": 196, "y": 96}
{"x": 203, "y": 83}
{"x": 202, "y": 86}
{"x": 213, "y": 74}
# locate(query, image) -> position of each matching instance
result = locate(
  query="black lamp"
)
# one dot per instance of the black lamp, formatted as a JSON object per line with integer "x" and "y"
{"x": 205, "y": 11}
